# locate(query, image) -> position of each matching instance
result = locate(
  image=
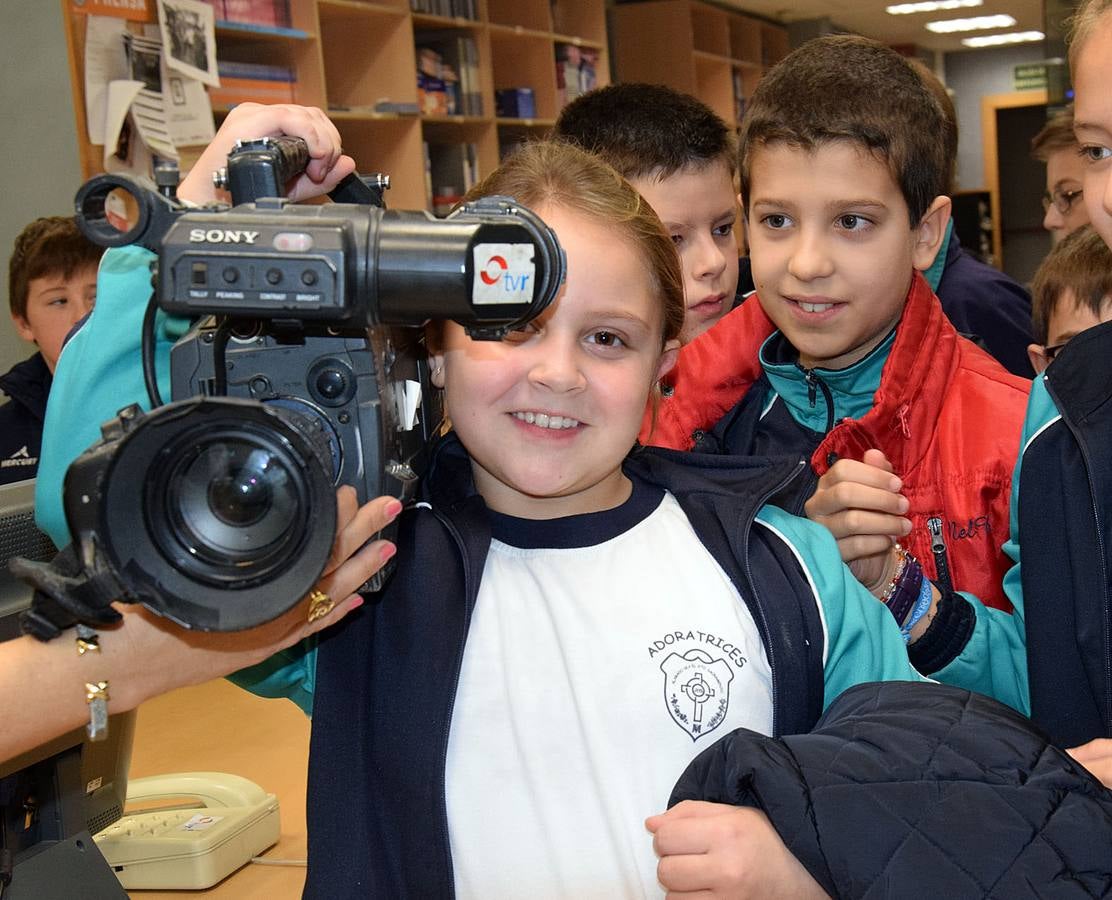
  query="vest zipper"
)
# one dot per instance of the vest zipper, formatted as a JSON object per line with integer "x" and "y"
{"x": 758, "y": 605}
{"x": 938, "y": 550}
{"x": 814, "y": 385}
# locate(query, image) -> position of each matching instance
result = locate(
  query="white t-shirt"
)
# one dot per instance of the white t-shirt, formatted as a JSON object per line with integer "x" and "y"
{"x": 605, "y": 652}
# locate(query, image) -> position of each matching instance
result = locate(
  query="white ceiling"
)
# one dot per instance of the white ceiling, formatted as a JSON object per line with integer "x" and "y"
{"x": 869, "y": 18}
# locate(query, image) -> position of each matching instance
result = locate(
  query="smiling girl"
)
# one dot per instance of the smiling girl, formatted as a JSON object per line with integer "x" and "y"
{"x": 572, "y": 619}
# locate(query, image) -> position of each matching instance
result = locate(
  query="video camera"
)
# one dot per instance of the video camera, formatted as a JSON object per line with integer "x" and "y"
{"x": 305, "y": 372}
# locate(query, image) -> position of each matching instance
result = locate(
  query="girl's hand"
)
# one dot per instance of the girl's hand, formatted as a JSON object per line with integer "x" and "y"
{"x": 1096, "y": 756}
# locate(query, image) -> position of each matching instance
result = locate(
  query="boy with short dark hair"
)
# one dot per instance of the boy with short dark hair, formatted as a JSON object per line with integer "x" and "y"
{"x": 682, "y": 158}
{"x": 52, "y": 279}
{"x": 1072, "y": 291}
{"x": 843, "y": 179}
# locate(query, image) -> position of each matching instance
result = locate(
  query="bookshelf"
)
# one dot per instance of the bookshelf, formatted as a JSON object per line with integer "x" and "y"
{"x": 716, "y": 54}
{"x": 358, "y": 60}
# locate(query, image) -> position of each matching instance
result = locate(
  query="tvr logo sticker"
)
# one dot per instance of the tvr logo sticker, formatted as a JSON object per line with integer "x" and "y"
{"x": 696, "y": 691}
{"x": 504, "y": 273}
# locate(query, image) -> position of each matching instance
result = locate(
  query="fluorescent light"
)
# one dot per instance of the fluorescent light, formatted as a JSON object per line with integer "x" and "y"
{"x": 903, "y": 9}
{"x": 978, "y": 23}
{"x": 995, "y": 40}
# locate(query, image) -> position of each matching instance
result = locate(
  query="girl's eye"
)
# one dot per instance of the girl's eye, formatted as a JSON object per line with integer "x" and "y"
{"x": 1094, "y": 152}
{"x": 724, "y": 230}
{"x": 606, "y": 339}
{"x": 59, "y": 301}
{"x": 775, "y": 220}
{"x": 677, "y": 239}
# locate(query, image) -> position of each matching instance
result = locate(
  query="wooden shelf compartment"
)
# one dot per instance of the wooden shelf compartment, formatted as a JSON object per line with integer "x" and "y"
{"x": 745, "y": 40}
{"x": 711, "y": 29}
{"x": 532, "y": 15}
{"x": 391, "y": 145}
{"x": 585, "y": 21}
{"x": 368, "y": 56}
{"x": 525, "y": 61}
{"x": 654, "y": 42}
{"x": 358, "y": 7}
{"x": 774, "y": 44}
{"x": 714, "y": 84}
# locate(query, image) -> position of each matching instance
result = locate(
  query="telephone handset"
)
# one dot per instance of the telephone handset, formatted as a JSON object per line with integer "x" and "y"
{"x": 202, "y": 827}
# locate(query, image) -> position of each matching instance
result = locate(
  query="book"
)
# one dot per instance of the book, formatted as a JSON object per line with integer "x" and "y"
{"x": 275, "y": 13}
{"x": 576, "y": 71}
{"x": 227, "y": 68}
{"x": 453, "y": 58}
{"x": 453, "y": 169}
{"x": 256, "y": 90}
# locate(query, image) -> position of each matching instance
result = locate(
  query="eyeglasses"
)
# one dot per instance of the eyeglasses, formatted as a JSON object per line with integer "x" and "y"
{"x": 1054, "y": 349}
{"x": 1062, "y": 200}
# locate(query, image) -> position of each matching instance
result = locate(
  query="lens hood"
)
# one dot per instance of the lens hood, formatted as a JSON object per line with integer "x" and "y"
{"x": 235, "y": 516}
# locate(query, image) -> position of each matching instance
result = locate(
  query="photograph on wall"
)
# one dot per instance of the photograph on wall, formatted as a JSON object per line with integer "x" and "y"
{"x": 189, "y": 38}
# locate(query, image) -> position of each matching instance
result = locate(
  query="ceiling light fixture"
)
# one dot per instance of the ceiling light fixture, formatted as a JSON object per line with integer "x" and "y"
{"x": 978, "y": 23}
{"x": 995, "y": 40}
{"x": 904, "y": 9}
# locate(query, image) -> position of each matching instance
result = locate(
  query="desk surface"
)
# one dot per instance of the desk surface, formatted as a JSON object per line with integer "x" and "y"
{"x": 218, "y": 727}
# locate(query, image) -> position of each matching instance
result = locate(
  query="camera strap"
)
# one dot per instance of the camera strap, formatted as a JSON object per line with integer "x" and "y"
{"x": 66, "y": 594}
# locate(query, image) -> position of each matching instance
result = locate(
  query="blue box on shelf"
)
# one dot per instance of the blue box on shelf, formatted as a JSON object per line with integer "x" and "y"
{"x": 515, "y": 103}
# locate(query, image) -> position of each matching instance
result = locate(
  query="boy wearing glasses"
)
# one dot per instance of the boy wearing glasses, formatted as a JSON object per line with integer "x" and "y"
{"x": 1072, "y": 291}
{"x": 1056, "y": 146}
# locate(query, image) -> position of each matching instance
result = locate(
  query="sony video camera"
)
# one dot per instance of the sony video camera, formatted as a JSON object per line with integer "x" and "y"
{"x": 303, "y": 372}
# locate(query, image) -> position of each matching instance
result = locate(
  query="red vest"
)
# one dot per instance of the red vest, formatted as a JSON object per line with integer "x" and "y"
{"x": 946, "y": 414}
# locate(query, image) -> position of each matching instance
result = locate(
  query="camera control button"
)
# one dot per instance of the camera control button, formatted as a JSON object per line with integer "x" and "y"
{"x": 274, "y": 276}
{"x": 230, "y": 275}
{"x": 309, "y": 277}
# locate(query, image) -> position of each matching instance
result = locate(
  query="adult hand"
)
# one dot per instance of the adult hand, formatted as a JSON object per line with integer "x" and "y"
{"x": 164, "y": 656}
{"x": 861, "y": 505}
{"x": 247, "y": 121}
{"x": 713, "y": 850}
{"x": 146, "y": 655}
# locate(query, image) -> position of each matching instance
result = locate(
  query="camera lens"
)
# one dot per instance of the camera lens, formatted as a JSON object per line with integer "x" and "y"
{"x": 236, "y": 513}
{"x": 234, "y": 497}
{"x": 239, "y": 499}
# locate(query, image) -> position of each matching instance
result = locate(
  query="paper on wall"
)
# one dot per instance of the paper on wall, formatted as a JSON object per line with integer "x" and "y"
{"x": 189, "y": 38}
{"x": 104, "y": 62}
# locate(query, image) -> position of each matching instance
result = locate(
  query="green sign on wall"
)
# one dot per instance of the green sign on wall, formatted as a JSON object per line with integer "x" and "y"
{"x": 1029, "y": 77}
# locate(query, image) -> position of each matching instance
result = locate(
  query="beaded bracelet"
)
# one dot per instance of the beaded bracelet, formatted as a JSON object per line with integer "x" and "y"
{"x": 921, "y": 606}
{"x": 901, "y": 563}
{"x": 903, "y": 590}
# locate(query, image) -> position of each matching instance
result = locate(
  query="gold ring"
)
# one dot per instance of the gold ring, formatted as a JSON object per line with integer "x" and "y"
{"x": 320, "y": 605}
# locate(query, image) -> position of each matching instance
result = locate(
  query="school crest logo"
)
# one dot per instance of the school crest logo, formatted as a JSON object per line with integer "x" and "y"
{"x": 696, "y": 691}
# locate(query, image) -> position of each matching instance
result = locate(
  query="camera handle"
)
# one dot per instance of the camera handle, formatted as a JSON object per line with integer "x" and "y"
{"x": 66, "y": 594}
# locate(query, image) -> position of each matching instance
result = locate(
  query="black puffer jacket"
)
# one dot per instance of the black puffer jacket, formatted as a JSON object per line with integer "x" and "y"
{"x": 21, "y": 418}
{"x": 921, "y": 790}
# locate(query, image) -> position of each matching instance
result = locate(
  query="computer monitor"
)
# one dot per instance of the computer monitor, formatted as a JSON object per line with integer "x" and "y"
{"x": 55, "y": 796}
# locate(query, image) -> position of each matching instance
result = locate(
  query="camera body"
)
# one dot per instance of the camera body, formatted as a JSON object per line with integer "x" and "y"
{"x": 367, "y": 392}
{"x": 304, "y": 372}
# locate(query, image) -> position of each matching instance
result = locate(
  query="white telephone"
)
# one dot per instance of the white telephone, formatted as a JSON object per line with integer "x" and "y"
{"x": 206, "y": 826}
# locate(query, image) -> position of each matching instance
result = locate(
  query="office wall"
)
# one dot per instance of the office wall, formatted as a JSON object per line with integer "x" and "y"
{"x": 972, "y": 75}
{"x": 38, "y": 147}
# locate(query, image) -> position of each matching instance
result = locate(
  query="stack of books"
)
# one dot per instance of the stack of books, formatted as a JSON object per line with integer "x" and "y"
{"x": 258, "y": 82}
{"x": 273, "y": 13}
{"x": 448, "y": 75}
{"x": 450, "y": 171}
{"x": 455, "y": 9}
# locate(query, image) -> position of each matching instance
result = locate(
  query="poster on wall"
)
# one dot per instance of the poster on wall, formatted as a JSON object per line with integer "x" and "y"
{"x": 189, "y": 38}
